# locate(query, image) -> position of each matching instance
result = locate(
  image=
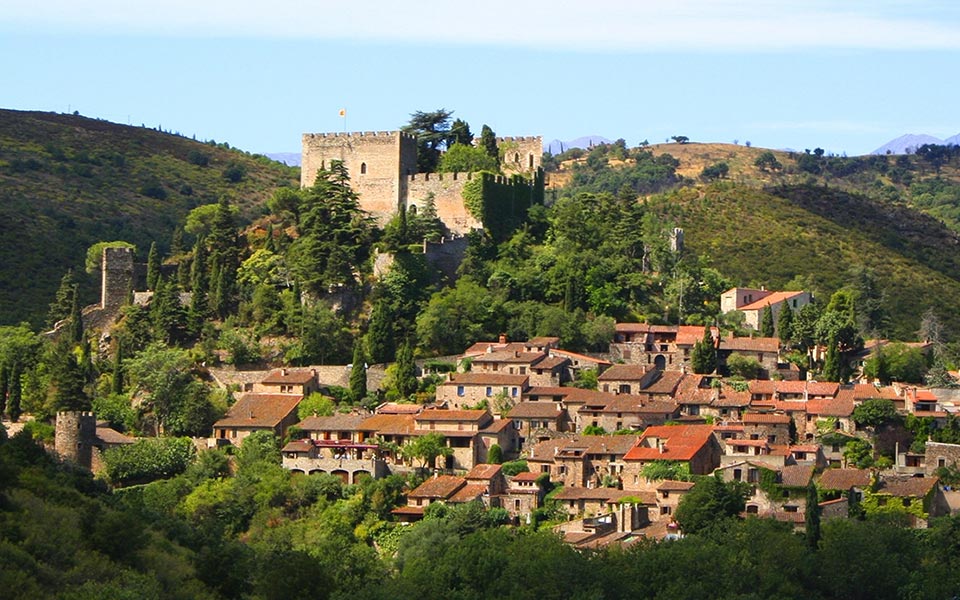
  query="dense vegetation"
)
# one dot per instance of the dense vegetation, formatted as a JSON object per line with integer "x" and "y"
{"x": 264, "y": 533}
{"x": 67, "y": 182}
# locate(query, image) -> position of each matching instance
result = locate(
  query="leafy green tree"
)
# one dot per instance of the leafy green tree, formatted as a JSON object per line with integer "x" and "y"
{"x": 427, "y": 448}
{"x": 148, "y": 459}
{"x": 766, "y": 322}
{"x": 163, "y": 377}
{"x": 896, "y": 362}
{"x": 358, "y": 373}
{"x": 831, "y": 363}
{"x": 432, "y": 130}
{"x": 316, "y": 405}
{"x": 153, "y": 267}
{"x": 740, "y": 365}
{"x": 67, "y": 377}
{"x": 875, "y": 412}
{"x": 460, "y": 132}
{"x": 767, "y": 162}
{"x": 456, "y": 317}
{"x": 74, "y": 332}
{"x": 167, "y": 313}
{"x": 488, "y": 141}
{"x": 812, "y": 517}
{"x": 495, "y": 454}
{"x": 715, "y": 171}
{"x": 460, "y": 158}
{"x": 710, "y": 501}
{"x": 859, "y": 453}
{"x": 703, "y": 357}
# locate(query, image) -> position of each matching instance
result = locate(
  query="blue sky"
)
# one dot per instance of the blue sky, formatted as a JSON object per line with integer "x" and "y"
{"x": 846, "y": 76}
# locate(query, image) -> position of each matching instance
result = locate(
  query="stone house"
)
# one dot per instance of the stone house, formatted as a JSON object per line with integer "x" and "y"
{"x": 275, "y": 413}
{"x": 626, "y": 379}
{"x": 765, "y": 350}
{"x": 919, "y": 497}
{"x": 590, "y": 502}
{"x": 758, "y": 451}
{"x": 80, "y": 438}
{"x": 752, "y": 302}
{"x": 389, "y": 429}
{"x": 772, "y": 427}
{"x": 669, "y": 493}
{"x": 663, "y": 347}
{"x": 728, "y": 404}
{"x": 523, "y": 495}
{"x": 344, "y": 458}
{"x": 335, "y": 427}
{"x": 636, "y": 413}
{"x": 529, "y": 418}
{"x": 693, "y": 445}
{"x": 940, "y": 456}
{"x": 439, "y": 488}
{"x": 301, "y": 382}
{"x": 461, "y": 428}
{"x": 542, "y": 368}
{"x": 837, "y": 482}
{"x": 469, "y": 389}
{"x": 695, "y": 394}
{"x": 581, "y": 461}
{"x": 781, "y": 494}
{"x": 834, "y": 413}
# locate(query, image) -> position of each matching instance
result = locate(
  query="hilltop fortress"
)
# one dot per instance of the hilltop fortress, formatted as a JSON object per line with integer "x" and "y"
{"x": 383, "y": 171}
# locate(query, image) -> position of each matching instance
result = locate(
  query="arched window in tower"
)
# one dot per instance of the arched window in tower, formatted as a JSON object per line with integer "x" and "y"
{"x": 516, "y": 157}
{"x": 363, "y": 168}
{"x": 412, "y": 210}
{"x": 531, "y": 161}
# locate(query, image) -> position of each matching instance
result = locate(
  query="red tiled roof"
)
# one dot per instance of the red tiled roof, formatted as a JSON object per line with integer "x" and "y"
{"x": 822, "y": 388}
{"x": 441, "y": 486}
{"x": 805, "y": 448}
{"x": 796, "y": 475}
{"x": 483, "y": 471}
{"x": 582, "y": 493}
{"x": 259, "y": 410}
{"x": 388, "y": 424}
{"x": 748, "y": 443}
{"x": 765, "y": 387}
{"x": 297, "y": 376}
{"x": 510, "y": 357}
{"x": 644, "y": 328}
{"x": 580, "y": 357}
{"x": 332, "y": 423}
{"x": 535, "y": 410}
{"x": 844, "y": 479}
{"x": 298, "y": 446}
{"x": 748, "y": 344}
{"x": 497, "y": 425}
{"x": 108, "y": 435}
{"x": 774, "y": 298}
{"x": 439, "y": 414}
{"x": 408, "y": 510}
{"x": 665, "y": 384}
{"x": 755, "y": 418}
{"x": 833, "y": 407}
{"x": 906, "y": 486}
{"x": 610, "y": 444}
{"x": 729, "y": 397}
{"x": 688, "y": 335}
{"x": 680, "y": 442}
{"x": 399, "y": 408}
{"x": 623, "y": 373}
{"x": 525, "y": 476}
{"x": 668, "y": 485}
{"x": 468, "y": 493}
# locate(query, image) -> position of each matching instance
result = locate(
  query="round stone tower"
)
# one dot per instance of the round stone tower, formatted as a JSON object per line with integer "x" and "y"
{"x": 74, "y": 436}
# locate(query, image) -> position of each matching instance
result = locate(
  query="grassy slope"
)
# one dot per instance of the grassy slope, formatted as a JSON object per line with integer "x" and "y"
{"x": 768, "y": 237}
{"x": 67, "y": 182}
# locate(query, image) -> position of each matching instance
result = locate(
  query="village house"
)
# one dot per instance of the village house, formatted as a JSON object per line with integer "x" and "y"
{"x": 824, "y": 415}
{"x": 663, "y": 347}
{"x": 469, "y": 389}
{"x": 274, "y": 413}
{"x": 301, "y": 382}
{"x": 344, "y": 427}
{"x": 542, "y": 368}
{"x": 626, "y": 379}
{"x": 920, "y": 498}
{"x": 669, "y": 493}
{"x": 463, "y": 431}
{"x": 752, "y": 302}
{"x": 582, "y": 461}
{"x": 523, "y": 495}
{"x": 349, "y": 460}
{"x": 842, "y": 482}
{"x": 778, "y": 493}
{"x": 772, "y": 427}
{"x": 939, "y": 455}
{"x": 766, "y": 351}
{"x": 449, "y": 489}
{"x": 694, "y": 394}
{"x": 536, "y": 420}
{"x": 692, "y": 445}
{"x": 636, "y": 412}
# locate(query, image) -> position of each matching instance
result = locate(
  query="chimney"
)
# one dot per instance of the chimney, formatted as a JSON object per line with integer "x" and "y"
{"x": 283, "y": 372}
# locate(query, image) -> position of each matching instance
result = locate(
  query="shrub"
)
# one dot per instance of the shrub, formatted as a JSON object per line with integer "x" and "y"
{"x": 148, "y": 459}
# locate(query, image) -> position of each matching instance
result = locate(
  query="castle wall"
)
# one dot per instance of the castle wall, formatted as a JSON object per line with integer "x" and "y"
{"x": 446, "y": 255}
{"x": 447, "y": 190}
{"x": 521, "y": 154}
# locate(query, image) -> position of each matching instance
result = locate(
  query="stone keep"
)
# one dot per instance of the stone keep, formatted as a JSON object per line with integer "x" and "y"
{"x": 116, "y": 267}
{"x": 74, "y": 436}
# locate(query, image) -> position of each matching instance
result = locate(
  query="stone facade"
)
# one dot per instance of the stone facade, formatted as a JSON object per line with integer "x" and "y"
{"x": 383, "y": 171}
{"x": 940, "y": 455}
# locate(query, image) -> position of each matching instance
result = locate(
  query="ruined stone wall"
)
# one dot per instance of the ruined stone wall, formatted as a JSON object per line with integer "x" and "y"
{"x": 521, "y": 154}
{"x": 446, "y": 255}
{"x": 447, "y": 190}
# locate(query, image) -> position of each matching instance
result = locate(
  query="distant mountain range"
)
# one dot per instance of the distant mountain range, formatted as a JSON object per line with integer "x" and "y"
{"x": 291, "y": 159}
{"x": 558, "y": 146}
{"x": 908, "y": 144}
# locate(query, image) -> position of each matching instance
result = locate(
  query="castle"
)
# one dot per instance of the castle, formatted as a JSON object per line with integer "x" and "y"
{"x": 383, "y": 171}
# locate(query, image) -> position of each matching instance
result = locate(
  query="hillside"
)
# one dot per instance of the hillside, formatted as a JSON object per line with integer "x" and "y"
{"x": 67, "y": 182}
{"x": 769, "y": 237}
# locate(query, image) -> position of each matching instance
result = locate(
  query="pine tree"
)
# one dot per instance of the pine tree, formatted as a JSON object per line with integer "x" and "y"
{"x": 183, "y": 273}
{"x": 488, "y": 140}
{"x": 67, "y": 378}
{"x": 269, "y": 243}
{"x": 176, "y": 242}
{"x": 406, "y": 373}
{"x": 380, "y": 333}
{"x": 831, "y": 364}
{"x": 358, "y": 374}
{"x": 13, "y": 399}
{"x": 153, "y": 267}
{"x": 703, "y": 357}
{"x": 812, "y": 518}
{"x": 785, "y": 324}
{"x": 166, "y": 312}
{"x": 766, "y": 322}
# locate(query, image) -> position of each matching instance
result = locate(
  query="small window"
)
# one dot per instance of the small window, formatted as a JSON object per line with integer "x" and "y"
{"x": 513, "y": 392}
{"x": 489, "y": 391}
{"x": 790, "y": 509}
{"x": 460, "y": 390}
{"x": 665, "y": 510}
{"x": 363, "y": 168}
{"x": 906, "y": 501}
{"x": 531, "y": 161}
{"x": 753, "y": 509}
{"x": 516, "y": 504}
{"x": 941, "y": 462}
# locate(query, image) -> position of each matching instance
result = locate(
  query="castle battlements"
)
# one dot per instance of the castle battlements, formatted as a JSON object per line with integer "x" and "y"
{"x": 357, "y": 134}
{"x": 439, "y": 176}
{"x": 522, "y": 139}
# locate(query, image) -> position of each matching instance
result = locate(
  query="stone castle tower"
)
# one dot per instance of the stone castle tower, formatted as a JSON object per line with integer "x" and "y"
{"x": 75, "y": 435}
{"x": 116, "y": 267}
{"x": 383, "y": 171}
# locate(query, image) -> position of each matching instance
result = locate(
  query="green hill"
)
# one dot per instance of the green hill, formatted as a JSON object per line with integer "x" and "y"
{"x": 769, "y": 237}
{"x": 67, "y": 182}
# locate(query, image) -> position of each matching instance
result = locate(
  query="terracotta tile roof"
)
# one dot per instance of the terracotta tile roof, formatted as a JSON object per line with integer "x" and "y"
{"x": 332, "y": 423}
{"x": 646, "y": 498}
{"x": 545, "y": 390}
{"x": 298, "y": 446}
{"x": 844, "y": 479}
{"x": 624, "y": 373}
{"x": 491, "y": 379}
{"x": 822, "y": 388}
{"x": 680, "y": 442}
{"x": 748, "y": 443}
{"x": 399, "y": 408}
{"x": 864, "y": 391}
{"x": 788, "y": 406}
{"x": 796, "y": 475}
{"x": 906, "y": 487}
{"x": 669, "y": 485}
{"x": 546, "y": 450}
{"x": 832, "y": 407}
{"x": 468, "y": 493}
{"x": 535, "y": 410}
{"x": 582, "y": 493}
{"x": 581, "y": 357}
{"x": 794, "y": 388}
{"x": 408, "y": 510}
{"x": 259, "y": 410}
{"x": 729, "y": 397}
{"x": 805, "y": 448}
{"x": 774, "y": 298}
{"x": 483, "y": 471}
{"x": 388, "y": 424}
{"x": 755, "y": 418}
{"x": 694, "y": 389}
{"x": 747, "y": 344}
{"x": 610, "y": 444}
{"x": 482, "y": 347}
{"x": 688, "y": 335}
{"x": 644, "y": 328}
{"x": 666, "y": 383}
{"x": 765, "y": 387}
{"x": 508, "y": 357}
{"x": 441, "y": 486}
{"x": 497, "y": 425}
{"x": 525, "y": 476}
{"x": 439, "y": 414}
{"x": 551, "y": 362}
{"x": 295, "y": 376}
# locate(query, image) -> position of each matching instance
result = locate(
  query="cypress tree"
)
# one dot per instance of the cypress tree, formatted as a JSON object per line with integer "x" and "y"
{"x": 831, "y": 364}
{"x": 183, "y": 273}
{"x": 13, "y": 401}
{"x": 380, "y": 332}
{"x": 268, "y": 243}
{"x": 406, "y": 374}
{"x": 166, "y": 312}
{"x": 785, "y": 324}
{"x": 117, "y": 380}
{"x": 67, "y": 379}
{"x": 153, "y": 267}
{"x": 766, "y": 322}
{"x": 488, "y": 140}
{"x": 358, "y": 374}
{"x": 812, "y": 518}
{"x": 176, "y": 242}
{"x": 75, "y": 333}
{"x": 703, "y": 357}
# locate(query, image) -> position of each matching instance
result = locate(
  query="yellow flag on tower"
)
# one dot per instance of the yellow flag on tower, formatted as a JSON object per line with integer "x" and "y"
{"x": 343, "y": 112}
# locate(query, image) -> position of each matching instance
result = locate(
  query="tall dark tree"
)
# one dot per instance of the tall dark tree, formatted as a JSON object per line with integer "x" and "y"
{"x": 703, "y": 357}
{"x": 153, "y": 266}
{"x": 831, "y": 364}
{"x": 433, "y": 135}
{"x": 812, "y": 517}
{"x": 168, "y": 315}
{"x": 14, "y": 395}
{"x": 4, "y": 386}
{"x": 766, "y": 322}
{"x": 380, "y": 335}
{"x": 67, "y": 378}
{"x": 63, "y": 301}
{"x": 785, "y": 323}
{"x": 117, "y": 378}
{"x": 406, "y": 374}
{"x": 176, "y": 242}
{"x": 460, "y": 133}
{"x": 75, "y": 332}
{"x": 358, "y": 374}
{"x": 488, "y": 140}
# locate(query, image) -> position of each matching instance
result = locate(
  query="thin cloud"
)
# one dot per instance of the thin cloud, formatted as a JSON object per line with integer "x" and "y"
{"x": 564, "y": 25}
